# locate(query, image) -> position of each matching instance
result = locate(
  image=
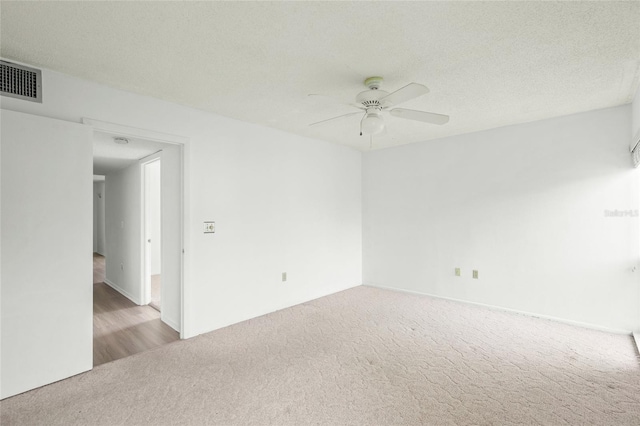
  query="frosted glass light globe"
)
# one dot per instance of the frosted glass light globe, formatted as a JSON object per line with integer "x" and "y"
{"x": 373, "y": 123}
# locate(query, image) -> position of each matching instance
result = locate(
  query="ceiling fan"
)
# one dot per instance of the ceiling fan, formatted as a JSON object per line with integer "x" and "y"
{"x": 375, "y": 101}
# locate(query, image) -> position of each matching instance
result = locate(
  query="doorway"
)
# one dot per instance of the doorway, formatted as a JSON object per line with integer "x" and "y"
{"x": 138, "y": 304}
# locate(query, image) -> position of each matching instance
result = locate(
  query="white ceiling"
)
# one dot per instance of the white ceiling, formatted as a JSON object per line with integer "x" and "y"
{"x": 110, "y": 157}
{"x": 488, "y": 64}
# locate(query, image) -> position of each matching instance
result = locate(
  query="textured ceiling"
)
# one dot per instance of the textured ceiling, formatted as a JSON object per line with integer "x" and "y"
{"x": 488, "y": 64}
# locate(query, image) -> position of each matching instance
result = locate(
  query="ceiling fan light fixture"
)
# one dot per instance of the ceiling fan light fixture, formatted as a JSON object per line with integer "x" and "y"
{"x": 372, "y": 123}
{"x": 375, "y": 101}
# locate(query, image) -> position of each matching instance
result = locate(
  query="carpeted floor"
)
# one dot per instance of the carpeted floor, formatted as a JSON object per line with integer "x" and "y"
{"x": 364, "y": 356}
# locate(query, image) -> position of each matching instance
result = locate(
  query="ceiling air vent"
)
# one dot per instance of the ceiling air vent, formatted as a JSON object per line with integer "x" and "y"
{"x": 18, "y": 81}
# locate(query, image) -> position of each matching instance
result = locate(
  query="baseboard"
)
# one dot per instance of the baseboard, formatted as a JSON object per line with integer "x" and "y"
{"x": 270, "y": 310}
{"x": 123, "y": 292}
{"x": 636, "y": 337}
{"x": 170, "y": 322}
{"x": 500, "y": 308}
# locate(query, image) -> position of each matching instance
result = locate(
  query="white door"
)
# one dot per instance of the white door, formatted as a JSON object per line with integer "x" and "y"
{"x": 151, "y": 173}
{"x": 46, "y": 247}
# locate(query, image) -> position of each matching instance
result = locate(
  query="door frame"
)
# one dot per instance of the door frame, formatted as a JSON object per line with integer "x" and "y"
{"x": 183, "y": 143}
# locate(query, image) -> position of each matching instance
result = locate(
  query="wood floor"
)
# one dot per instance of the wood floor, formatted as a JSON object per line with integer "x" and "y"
{"x": 120, "y": 327}
{"x": 155, "y": 292}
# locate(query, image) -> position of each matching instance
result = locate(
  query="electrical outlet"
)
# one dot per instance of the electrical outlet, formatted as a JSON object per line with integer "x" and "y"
{"x": 284, "y": 276}
{"x": 475, "y": 274}
{"x": 209, "y": 227}
{"x": 457, "y": 272}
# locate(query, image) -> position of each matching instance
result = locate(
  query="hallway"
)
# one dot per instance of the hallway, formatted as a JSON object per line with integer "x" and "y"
{"x": 120, "y": 327}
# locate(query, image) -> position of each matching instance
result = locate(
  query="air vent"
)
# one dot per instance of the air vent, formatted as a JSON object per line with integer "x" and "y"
{"x": 18, "y": 81}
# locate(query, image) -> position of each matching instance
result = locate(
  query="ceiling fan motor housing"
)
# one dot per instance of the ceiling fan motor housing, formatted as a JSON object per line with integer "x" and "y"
{"x": 371, "y": 98}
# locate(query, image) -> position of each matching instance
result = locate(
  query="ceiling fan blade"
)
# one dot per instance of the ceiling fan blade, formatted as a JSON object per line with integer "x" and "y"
{"x": 427, "y": 117}
{"x": 333, "y": 100}
{"x": 336, "y": 118}
{"x": 408, "y": 92}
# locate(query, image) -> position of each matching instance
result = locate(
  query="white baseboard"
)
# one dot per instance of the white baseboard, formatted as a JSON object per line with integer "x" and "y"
{"x": 170, "y": 322}
{"x": 285, "y": 305}
{"x": 500, "y": 308}
{"x": 123, "y": 292}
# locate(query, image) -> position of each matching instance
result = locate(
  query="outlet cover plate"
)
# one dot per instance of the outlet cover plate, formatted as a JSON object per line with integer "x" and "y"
{"x": 209, "y": 227}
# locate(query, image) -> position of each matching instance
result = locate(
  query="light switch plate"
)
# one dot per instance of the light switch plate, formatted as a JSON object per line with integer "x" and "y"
{"x": 475, "y": 274}
{"x": 457, "y": 272}
{"x": 209, "y": 227}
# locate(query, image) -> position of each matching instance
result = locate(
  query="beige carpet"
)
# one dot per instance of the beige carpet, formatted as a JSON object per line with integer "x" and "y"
{"x": 360, "y": 357}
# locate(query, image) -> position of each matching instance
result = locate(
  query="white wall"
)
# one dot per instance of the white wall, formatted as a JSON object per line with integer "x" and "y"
{"x": 95, "y": 219}
{"x": 98, "y": 218}
{"x": 124, "y": 232}
{"x": 635, "y": 119}
{"x": 281, "y": 203}
{"x": 635, "y": 136}
{"x": 525, "y": 205}
{"x": 46, "y": 260}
